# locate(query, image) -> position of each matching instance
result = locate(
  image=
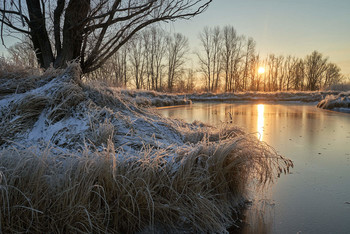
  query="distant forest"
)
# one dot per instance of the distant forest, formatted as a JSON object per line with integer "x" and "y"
{"x": 224, "y": 61}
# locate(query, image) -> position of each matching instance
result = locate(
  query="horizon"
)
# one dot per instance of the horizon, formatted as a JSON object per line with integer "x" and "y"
{"x": 115, "y": 120}
{"x": 296, "y": 33}
{"x": 302, "y": 27}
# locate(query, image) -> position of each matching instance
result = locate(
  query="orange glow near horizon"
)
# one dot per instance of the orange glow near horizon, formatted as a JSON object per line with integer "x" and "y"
{"x": 260, "y": 127}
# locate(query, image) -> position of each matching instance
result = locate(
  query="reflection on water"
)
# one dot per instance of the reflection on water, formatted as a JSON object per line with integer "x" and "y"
{"x": 313, "y": 199}
{"x": 260, "y": 127}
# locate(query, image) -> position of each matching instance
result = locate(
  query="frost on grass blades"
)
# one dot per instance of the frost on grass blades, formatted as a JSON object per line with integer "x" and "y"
{"x": 77, "y": 157}
{"x": 340, "y": 102}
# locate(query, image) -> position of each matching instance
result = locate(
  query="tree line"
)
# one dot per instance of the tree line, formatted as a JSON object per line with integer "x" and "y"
{"x": 153, "y": 60}
{"x": 229, "y": 62}
{"x": 225, "y": 61}
{"x": 120, "y": 41}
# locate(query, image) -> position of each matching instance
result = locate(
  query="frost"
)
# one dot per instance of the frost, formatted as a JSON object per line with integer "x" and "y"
{"x": 340, "y": 102}
{"x": 104, "y": 148}
{"x": 294, "y": 96}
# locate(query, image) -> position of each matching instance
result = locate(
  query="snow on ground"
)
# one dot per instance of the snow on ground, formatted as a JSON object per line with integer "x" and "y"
{"x": 75, "y": 120}
{"x": 152, "y": 98}
{"x": 97, "y": 148}
{"x": 340, "y": 102}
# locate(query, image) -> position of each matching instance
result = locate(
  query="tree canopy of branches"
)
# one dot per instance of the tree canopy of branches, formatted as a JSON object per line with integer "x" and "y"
{"x": 88, "y": 30}
{"x": 316, "y": 65}
{"x": 210, "y": 62}
{"x": 177, "y": 48}
{"x": 226, "y": 61}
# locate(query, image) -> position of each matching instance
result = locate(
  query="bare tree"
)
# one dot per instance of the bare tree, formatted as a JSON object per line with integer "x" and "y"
{"x": 186, "y": 83}
{"x": 249, "y": 57}
{"x": 275, "y": 69}
{"x": 255, "y": 76}
{"x": 88, "y": 30}
{"x": 205, "y": 60}
{"x": 155, "y": 49}
{"x": 332, "y": 75}
{"x": 119, "y": 65}
{"x": 299, "y": 75}
{"x": 22, "y": 53}
{"x": 211, "y": 61}
{"x": 137, "y": 61}
{"x": 289, "y": 65}
{"x": 114, "y": 71}
{"x": 177, "y": 48}
{"x": 280, "y": 72}
{"x": 315, "y": 66}
{"x": 270, "y": 66}
{"x": 231, "y": 56}
{"x": 217, "y": 54}
{"x": 159, "y": 42}
{"x": 236, "y": 64}
{"x": 190, "y": 80}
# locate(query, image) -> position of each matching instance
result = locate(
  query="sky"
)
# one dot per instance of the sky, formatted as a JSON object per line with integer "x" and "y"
{"x": 282, "y": 27}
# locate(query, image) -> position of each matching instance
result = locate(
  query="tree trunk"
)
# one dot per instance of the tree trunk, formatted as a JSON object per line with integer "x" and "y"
{"x": 39, "y": 34}
{"x": 76, "y": 12}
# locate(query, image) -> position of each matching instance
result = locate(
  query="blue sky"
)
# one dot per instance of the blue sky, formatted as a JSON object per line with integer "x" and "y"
{"x": 286, "y": 27}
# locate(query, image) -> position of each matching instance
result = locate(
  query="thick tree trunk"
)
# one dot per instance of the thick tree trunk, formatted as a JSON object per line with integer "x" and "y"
{"x": 39, "y": 34}
{"x": 57, "y": 25}
{"x": 76, "y": 13}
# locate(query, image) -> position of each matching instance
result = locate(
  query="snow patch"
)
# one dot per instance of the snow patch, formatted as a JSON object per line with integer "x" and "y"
{"x": 340, "y": 102}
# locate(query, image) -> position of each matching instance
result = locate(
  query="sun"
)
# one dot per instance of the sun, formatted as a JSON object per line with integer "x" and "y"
{"x": 261, "y": 70}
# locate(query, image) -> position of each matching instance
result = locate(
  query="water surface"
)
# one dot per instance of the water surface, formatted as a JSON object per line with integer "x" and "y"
{"x": 315, "y": 197}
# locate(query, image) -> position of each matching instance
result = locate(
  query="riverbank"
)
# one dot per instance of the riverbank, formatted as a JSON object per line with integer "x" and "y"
{"x": 78, "y": 157}
{"x": 318, "y": 143}
{"x": 340, "y": 102}
{"x": 294, "y": 96}
{"x": 146, "y": 98}
{"x": 331, "y": 100}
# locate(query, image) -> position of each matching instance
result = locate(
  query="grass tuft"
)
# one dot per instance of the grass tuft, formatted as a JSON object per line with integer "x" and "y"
{"x": 94, "y": 191}
{"x": 342, "y": 100}
{"x": 113, "y": 166}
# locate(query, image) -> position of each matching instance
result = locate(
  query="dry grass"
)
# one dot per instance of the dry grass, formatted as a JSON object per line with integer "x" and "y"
{"x": 10, "y": 70}
{"x": 94, "y": 191}
{"x": 342, "y": 100}
{"x": 66, "y": 97}
{"x": 19, "y": 79}
{"x": 146, "y": 98}
{"x": 128, "y": 170}
{"x": 21, "y": 115}
{"x": 100, "y": 131}
{"x": 24, "y": 109}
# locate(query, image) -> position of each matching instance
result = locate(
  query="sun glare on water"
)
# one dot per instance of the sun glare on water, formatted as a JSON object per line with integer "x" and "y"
{"x": 261, "y": 70}
{"x": 260, "y": 127}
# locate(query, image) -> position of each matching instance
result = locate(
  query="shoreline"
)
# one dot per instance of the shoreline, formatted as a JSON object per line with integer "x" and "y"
{"x": 82, "y": 157}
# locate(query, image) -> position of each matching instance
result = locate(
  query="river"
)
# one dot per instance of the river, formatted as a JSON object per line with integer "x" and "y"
{"x": 315, "y": 197}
